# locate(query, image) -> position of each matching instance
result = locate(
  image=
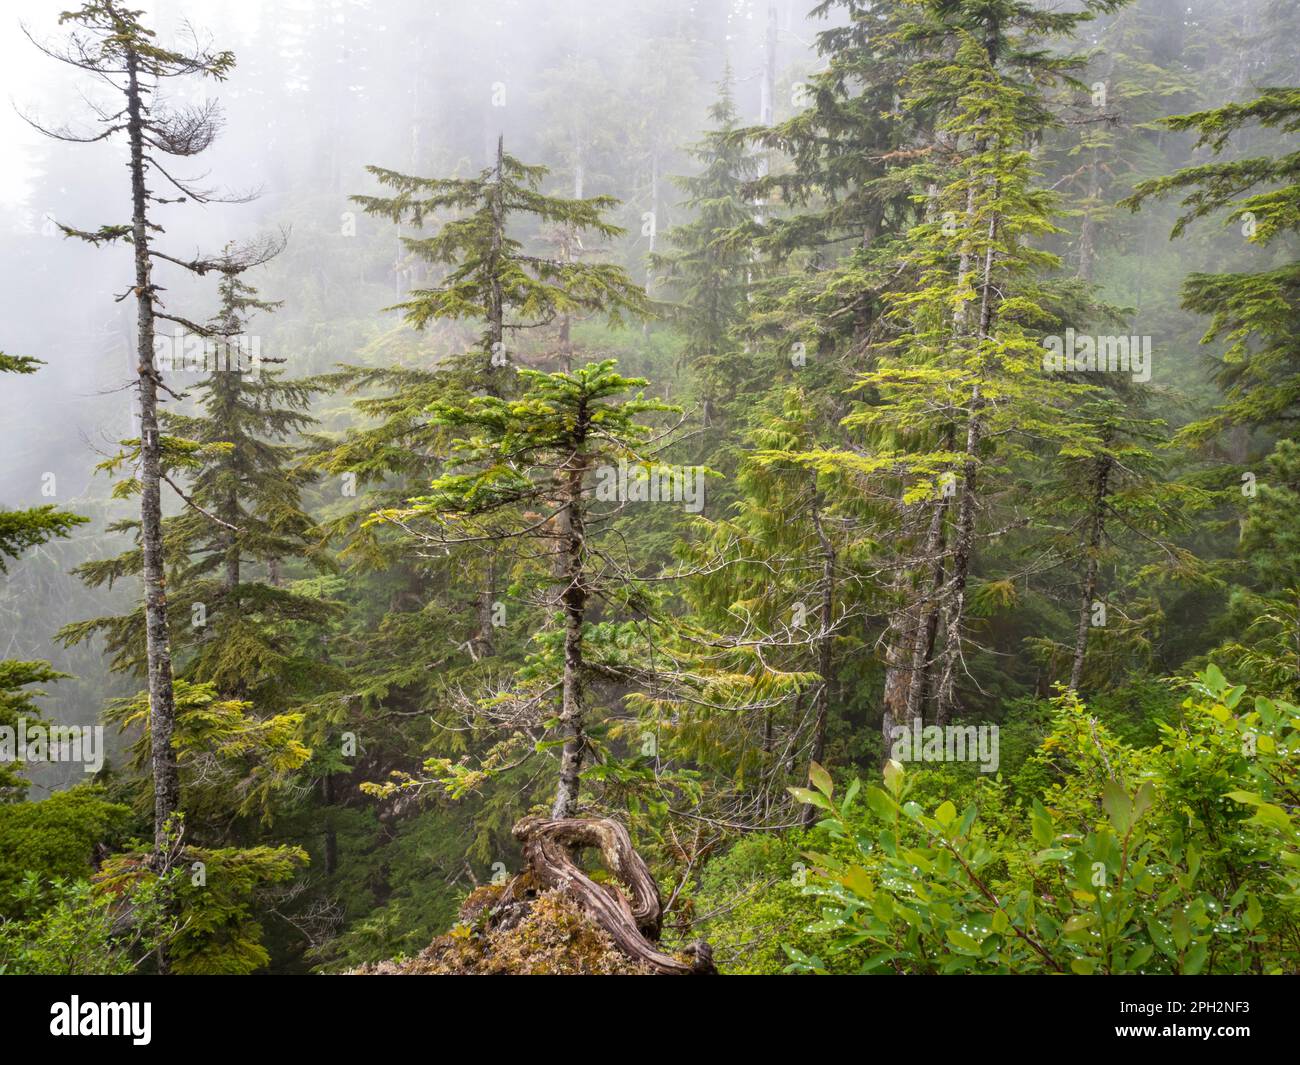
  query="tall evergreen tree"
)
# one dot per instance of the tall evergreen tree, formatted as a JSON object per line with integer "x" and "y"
{"x": 20, "y": 530}
{"x": 490, "y": 277}
{"x": 1256, "y": 314}
{"x": 707, "y": 269}
{"x": 113, "y": 43}
{"x": 248, "y": 636}
{"x": 536, "y": 470}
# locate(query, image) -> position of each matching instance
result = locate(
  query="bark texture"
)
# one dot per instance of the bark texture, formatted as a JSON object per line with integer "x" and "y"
{"x": 162, "y": 706}
{"x": 1097, "y": 528}
{"x": 631, "y": 916}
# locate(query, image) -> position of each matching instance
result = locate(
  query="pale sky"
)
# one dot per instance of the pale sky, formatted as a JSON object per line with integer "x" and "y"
{"x": 28, "y": 79}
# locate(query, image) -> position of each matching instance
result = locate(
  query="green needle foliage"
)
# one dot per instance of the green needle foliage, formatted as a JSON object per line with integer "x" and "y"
{"x": 530, "y": 475}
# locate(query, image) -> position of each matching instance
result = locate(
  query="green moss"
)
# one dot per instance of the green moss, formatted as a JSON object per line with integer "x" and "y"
{"x": 554, "y": 938}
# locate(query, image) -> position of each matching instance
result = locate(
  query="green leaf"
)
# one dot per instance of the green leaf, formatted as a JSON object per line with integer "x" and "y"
{"x": 1213, "y": 679}
{"x": 1270, "y": 816}
{"x": 821, "y": 780}
{"x": 850, "y": 793}
{"x": 812, "y": 798}
{"x": 881, "y": 804}
{"x": 964, "y": 943}
{"x": 1254, "y": 912}
{"x": 1181, "y": 928}
{"x": 1143, "y": 799}
{"x": 1116, "y": 803}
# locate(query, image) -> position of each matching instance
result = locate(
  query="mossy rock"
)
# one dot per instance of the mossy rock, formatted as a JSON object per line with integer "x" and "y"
{"x": 553, "y": 938}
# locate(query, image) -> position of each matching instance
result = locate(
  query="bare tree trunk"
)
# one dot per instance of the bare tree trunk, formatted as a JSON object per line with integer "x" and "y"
{"x": 331, "y": 835}
{"x": 898, "y": 640}
{"x": 964, "y": 538}
{"x": 894, "y": 698}
{"x": 1095, "y": 533}
{"x": 824, "y": 653}
{"x": 923, "y": 642}
{"x": 162, "y": 707}
{"x": 963, "y": 549}
{"x": 482, "y": 640}
{"x": 1088, "y": 227}
{"x": 574, "y": 599}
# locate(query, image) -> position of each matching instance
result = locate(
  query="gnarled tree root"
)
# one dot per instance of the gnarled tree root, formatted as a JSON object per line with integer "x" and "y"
{"x": 550, "y": 846}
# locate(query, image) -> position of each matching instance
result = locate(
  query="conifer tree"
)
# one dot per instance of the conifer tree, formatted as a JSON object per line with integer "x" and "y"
{"x": 707, "y": 270}
{"x": 114, "y": 44}
{"x": 534, "y": 473}
{"x": 434, "y": 631}
{"x": 1264, "y": 610}
{"x": 1116, "y": 512}
{"x": 776, "y": 585}
{"x": 1256, "y": 314}
{"x": 490, "y": 278}
{"x": 958, "y": 361}
{"x": 245, "y": 635}
{"x": 20, "y": 530}
{"x": 489, "y": 275}
{"x": 23, "y": 529}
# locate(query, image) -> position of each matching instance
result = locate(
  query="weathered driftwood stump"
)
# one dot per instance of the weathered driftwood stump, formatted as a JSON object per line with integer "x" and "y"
{"x": 631, "y": 920}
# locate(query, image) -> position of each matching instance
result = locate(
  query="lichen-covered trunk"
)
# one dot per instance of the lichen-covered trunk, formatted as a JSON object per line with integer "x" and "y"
{"x": 898, "y": 642}
{"x": 1096, "y": 530}
{"x": 894, "y": 698}
{"x": 481, "y": 644}
{"x": 825, "y": 654}
{"x": 963, "y": 548}
{"x": 162, "y": 706}
{"x": 928, "y": 612}
{"x": 574, "y": 599}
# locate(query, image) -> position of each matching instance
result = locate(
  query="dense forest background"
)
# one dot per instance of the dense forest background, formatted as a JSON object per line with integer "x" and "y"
{"x": 652, "y": 422}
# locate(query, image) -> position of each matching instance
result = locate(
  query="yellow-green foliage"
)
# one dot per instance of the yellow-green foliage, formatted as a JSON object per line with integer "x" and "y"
{"x": 54, "y": 838}
{"x": 228, "y": 756}
{"x": 1183, "y": 858}
{"x": 219, "y": 894}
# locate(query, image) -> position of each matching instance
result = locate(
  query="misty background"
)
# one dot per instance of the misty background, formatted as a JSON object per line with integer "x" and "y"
{"x": 606, "y": 93}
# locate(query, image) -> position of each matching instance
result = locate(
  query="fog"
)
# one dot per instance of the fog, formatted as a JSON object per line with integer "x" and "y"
{"x": 606, "y": 94}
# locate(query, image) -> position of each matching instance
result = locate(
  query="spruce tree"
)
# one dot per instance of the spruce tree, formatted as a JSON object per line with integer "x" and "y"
{"x": 113, "y": 43}
{"x": 20, "y": 530}
{"x": 424, "y": 626}
{"x": 1255, "y": 314}
{"x": 541, "y": 474}
{"x": 776, "y": 595}
{"x": 489, "y": 276}
{"x": 233, "y": 461}
{"x": 706, "y": 273}
{"x": 33, "y": 526}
